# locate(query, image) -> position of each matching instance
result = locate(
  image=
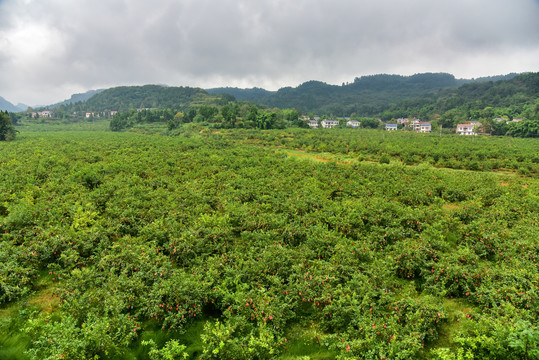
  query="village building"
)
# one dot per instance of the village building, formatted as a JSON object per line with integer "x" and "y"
{"x": 425, "y": 127}
{"x": 466, "y": 129}
{"x": 329, "y": 123}
{"x": 391, "y": 127}
{"x": 313, "y": 124}
{"x": 421, "y": 126}
{"x": 43, "y": 114}
{"x": 353, "y": 124}
{"x": 92, "y": 114}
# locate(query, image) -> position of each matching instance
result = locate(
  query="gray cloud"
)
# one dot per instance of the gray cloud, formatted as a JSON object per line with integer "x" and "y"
{"x": 50, "y": 49}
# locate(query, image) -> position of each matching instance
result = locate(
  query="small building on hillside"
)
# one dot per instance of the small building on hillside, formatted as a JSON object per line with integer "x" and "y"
{"x": 466, "y": 129}
{"x": 425, "y": 127}
{"x": 43, "y": 114}
{"x": 313, "y": 124}
{"x": 421, "y": 126}
{"x": 353, "y": 124}
{"x": 329, "y": 123}
{"x": 391, "y": 127}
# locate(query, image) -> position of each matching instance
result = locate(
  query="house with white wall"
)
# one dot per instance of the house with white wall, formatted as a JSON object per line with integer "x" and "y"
{"x": 353, "y": 124}
{"x": 329, "y": 123}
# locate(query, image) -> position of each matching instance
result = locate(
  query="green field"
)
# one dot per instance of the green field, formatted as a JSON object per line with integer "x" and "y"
{"x": 250, "y": 244}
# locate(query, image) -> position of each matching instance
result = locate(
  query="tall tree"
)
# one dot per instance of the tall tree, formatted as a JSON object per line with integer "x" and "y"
{"x": 7, "y": 131}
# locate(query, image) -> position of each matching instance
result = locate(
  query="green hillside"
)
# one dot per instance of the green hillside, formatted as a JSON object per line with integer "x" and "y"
{"x": 483, "y": 102}
{"x": 124, "y": 98}
{"x": 365, "y": 96}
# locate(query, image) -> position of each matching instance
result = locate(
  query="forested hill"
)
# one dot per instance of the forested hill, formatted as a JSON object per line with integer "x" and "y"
{"x": 475, "y": 101}
{"x": 254, "y": 94}
{"x": 366, "y": 95}
{"x": 148, "y": 96}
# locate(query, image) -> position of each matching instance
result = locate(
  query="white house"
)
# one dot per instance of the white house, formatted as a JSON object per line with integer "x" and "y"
{"x": 425, "y": 127}
{"x": 313, "y": 124}
{"x": 391, "y": 127}
{"x": 45, "y": 113}
{"x": 353, "y": 124}
{"x": 421, "y": 126}
{"x": 329, "y": 123}
{"x": 466, "y": 129}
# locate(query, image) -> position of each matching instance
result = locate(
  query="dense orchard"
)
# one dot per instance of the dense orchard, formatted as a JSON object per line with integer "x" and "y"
{"x": 236, "y": 230}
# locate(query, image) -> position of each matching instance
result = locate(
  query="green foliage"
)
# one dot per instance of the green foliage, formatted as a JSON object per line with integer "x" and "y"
{"x": 524, "y": 339}
{"x": 480, "y": 101}
{"x": 384, "y": 159}
{"x": 172, "y": 350}
{"x": 124, "y": 120}
{"x": 228, "y": 116}
{"x": 125, "y": 98}
{"x": 368, "y": 95}
{"x": 94, "y": 336}
{"x": 526, "y": 128}
{"x": 7, "y": 131}
{"x": 250, "y": 234}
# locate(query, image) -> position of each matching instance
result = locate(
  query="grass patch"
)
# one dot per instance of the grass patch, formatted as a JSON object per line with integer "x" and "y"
{"x": 308, "y": 156}
{"x": 13, "y": 342}
{"x": 306, "y": 341}
{"x": 456, "y": 311}
{"x": 153, "y": 331}
{"x": 451, "y": 207}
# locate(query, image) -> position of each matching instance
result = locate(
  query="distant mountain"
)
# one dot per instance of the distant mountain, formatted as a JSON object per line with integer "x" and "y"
{"x": 147, "y": 96}
{"x": 7, "y": 106}
{"x": 124, "y": 98}
{"x": 365, "y": 96}
{"x": 78, "y": 98}
{"x": 22, "y": 107}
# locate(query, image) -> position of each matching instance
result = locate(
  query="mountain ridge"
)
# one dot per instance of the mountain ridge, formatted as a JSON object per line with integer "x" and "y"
{"x": 367, "y": 94}
{"x": 7, "y": 106}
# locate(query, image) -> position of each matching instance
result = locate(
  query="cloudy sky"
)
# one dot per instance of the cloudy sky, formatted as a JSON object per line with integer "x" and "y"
{"x": 50, "y": 49}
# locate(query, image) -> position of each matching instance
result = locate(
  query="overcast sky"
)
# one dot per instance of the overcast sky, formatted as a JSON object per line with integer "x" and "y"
{"x": 50, "y": 49}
